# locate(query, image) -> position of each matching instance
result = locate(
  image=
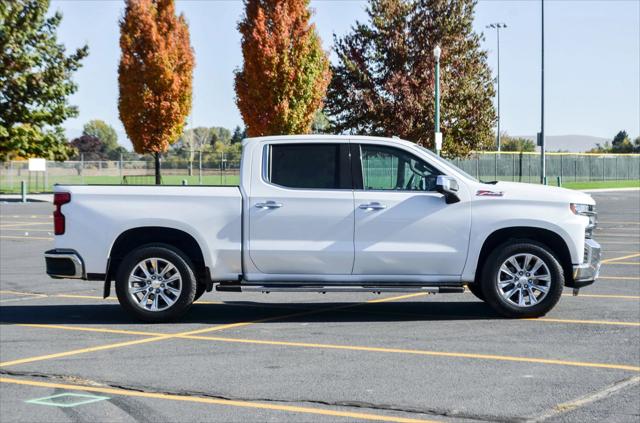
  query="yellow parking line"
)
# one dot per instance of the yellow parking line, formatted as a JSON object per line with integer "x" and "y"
{"x": 29, "y": 294}
{"x": 586, "y": 322}
{"x": 634, "y": 263}
{"x": 225, "y": 402}
{"x": 620, "y": 258}
{"x": 82, "y": 351}
{"x": 624, "y": 278}
{"x": 622, "y": 297}
{"x": 30, "y": 216}
{"x": 422, "y": 352}
{"x": 25, "y": 229}
{"x": 14, "y": 224}
{"x": 399, "y": 297}
{"x": 25, "y": 237}
{"x": 188, "y": 333}
{"x": 86, "y": 329}
{"x": 37, "y": 295}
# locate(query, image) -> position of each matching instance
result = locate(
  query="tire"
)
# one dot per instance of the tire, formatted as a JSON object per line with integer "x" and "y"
{"x": 166, "y": 296}
{"x": 530, "y": 283}
{"x": 476, "y": 289}
{"x": 200, "y": 290}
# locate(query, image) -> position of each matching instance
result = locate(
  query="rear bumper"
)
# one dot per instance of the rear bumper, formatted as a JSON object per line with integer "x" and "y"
{"x": 586, "y": 273}
{"x": 65, "y": 264}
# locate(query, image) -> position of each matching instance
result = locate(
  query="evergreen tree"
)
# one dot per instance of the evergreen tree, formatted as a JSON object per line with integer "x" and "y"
{"x": 383, "y": 83}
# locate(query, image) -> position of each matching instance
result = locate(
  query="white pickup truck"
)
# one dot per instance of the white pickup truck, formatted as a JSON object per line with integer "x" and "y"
{"x": 328, "y": 213}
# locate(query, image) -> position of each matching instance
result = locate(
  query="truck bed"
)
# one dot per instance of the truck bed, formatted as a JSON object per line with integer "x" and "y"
{"x": 98, "y": 214}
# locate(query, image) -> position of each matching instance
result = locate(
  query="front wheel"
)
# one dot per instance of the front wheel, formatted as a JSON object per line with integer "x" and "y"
{"x": 522, "y": 278}
{"x": 156, "y": 283}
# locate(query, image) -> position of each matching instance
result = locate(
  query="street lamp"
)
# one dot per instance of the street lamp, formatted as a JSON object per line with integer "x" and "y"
{"x": 497, "y": 27}
{"x": 438, "y": 135}
{"x": 543, "y": 163}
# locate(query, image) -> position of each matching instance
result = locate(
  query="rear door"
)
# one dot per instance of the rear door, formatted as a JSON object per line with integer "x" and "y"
{"x": 301, "y": 210}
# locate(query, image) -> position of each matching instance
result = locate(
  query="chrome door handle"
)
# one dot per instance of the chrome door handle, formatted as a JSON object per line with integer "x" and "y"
{"x": 269, "y": 205}
{"x": 374, "y": 205}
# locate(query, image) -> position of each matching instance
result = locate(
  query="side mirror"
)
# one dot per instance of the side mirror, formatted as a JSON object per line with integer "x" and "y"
{"x": 448, "y": 186}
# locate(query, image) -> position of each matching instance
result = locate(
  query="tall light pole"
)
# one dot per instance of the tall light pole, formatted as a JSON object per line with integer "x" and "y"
{"x": 497, "y": 27}
{"x": 543, "y": 163}
{"x": 438, "y": 135}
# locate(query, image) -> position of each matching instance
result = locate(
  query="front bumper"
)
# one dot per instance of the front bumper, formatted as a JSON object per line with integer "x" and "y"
{"x": 586, "y": 273}
{"x": 64, "y": 264}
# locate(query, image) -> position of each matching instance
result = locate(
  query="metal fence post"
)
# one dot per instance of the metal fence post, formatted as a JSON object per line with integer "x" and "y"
{"x": 561, "y": 166}
{"x": 120, "y": 167}
{"x": 604, "y": 166}
{"x": 23, "y": 191}
{"x": 477, "y": 166}
{"x": 200, "y": 167}
{"x": 496, "y": 166}
{"x": 616, "y": 169}
{"x": 11, "y": 175}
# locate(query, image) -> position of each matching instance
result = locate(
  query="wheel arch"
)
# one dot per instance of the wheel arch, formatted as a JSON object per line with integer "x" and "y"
{"x": 548, "y": 238}
{"x": 134, "y": 238}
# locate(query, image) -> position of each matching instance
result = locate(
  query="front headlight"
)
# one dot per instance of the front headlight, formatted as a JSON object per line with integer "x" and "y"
{"x": 589, "y": 211}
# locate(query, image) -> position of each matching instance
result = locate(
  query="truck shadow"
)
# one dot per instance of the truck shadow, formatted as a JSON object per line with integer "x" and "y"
{"x": 240, "y": 311}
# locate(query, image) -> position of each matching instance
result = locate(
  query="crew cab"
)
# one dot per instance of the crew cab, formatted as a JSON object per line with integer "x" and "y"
{"x": 328, "y": 213}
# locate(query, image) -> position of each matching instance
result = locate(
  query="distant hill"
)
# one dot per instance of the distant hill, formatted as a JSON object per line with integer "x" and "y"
{"x": 571, "y": 143}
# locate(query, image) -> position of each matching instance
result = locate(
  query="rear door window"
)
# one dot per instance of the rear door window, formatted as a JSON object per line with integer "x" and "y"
{"x": 309, "y": 166}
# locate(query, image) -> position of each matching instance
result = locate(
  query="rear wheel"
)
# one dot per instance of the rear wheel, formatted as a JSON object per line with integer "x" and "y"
{"x": 156, "y": 283}
{"x": 522, "y": 278}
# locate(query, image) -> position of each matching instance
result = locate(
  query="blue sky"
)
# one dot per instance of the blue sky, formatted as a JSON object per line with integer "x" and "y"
{"x": 592, "y": 60}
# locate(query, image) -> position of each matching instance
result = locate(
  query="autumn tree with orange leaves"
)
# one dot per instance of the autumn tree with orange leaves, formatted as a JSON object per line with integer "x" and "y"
{"x": 155, "y": 75}
{"x": 285, "y": 72}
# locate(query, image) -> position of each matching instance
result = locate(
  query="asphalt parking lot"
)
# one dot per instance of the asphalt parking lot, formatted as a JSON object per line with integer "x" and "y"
{"x": 68, "y": 355}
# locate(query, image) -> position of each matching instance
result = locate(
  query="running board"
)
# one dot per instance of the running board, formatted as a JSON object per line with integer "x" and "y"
{"x": 333, "y": 288}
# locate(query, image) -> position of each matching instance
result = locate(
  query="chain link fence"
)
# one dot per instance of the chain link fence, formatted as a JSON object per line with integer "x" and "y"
{"x": 525, "y": 167}
{"x": 205, "y": 170}
{"x": 213, "y": 169}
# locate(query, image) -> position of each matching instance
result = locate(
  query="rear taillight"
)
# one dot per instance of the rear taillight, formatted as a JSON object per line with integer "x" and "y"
{"x": 59, "y": 198}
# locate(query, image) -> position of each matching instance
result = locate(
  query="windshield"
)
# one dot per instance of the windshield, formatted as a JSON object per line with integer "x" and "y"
{"x": 447, "y": 162}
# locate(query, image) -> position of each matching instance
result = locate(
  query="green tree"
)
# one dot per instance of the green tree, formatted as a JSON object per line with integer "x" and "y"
{"x": 102, "y": 131}
{"x": 383, "y": 81}
{"x": 238, "y": 135}
{"x": 636, "y": 145}
{"x": 321, "y": 124}
{"x": 621, "y": 143}
{"x": 35, "y": 82}
{"x": 516, "y": 144}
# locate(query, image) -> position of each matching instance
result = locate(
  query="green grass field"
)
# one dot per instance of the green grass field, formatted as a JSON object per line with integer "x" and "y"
{"x": 633, "y": 183}
{"x": 5, "y": 188}
{"x": 117, "y": 180}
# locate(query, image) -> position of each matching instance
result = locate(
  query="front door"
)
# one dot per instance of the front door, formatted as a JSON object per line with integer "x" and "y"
{"x": 403, "y": 227}
{"x": 301, "y": 211}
